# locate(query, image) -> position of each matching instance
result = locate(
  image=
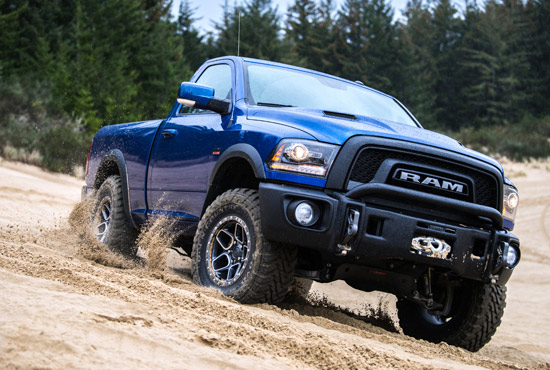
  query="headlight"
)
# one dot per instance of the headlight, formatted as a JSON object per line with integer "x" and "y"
{"x": 303, "y": 156}
{"x": 510, "y": 202}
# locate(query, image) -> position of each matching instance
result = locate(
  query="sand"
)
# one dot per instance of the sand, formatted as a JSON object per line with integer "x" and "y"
{"x": 65, "y": 303}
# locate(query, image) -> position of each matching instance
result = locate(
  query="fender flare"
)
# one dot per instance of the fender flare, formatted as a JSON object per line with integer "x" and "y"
{"x": 116, "y": 156}
{"x": 244, "y": 151}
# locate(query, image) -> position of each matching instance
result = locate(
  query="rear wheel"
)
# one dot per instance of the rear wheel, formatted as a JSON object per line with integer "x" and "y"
{"x": 111, "y": 225}
{"x": 231, "y": 254}
{"x": 476, "y": 312}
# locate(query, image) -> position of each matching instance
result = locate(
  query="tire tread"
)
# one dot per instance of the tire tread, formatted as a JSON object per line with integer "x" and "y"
{"x": 122, "y": 235}
{"x": 474, "y": 327}
{"x": 272, "y": 279}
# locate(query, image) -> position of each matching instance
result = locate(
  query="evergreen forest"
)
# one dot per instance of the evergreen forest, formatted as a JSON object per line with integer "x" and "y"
{"x": 477, "y": 71}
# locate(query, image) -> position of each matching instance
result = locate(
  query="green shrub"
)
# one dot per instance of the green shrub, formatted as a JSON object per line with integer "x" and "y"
{"x": 63, "y": 145}
{"x": 33, "y": 131}
{"x": 22, "y": 155}
{"x": 529, "y": 138}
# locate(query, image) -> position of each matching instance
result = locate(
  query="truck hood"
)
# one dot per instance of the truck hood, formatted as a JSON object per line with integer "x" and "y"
{"x": 336, "y": 130}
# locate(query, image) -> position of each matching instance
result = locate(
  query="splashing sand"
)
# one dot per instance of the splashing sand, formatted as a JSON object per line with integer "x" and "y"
{"x": 154, "y": 239}
{"x": 89, "y": 247}
{"x": 65, "y": 306}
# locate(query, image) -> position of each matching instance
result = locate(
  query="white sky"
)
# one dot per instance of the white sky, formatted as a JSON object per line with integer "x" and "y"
{"x": 211, "y": 11}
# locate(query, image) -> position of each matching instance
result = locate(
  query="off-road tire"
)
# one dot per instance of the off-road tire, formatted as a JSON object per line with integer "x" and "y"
{"x": 121, "y": 235}
{"x": 268, "y": 270}
{"x": 475, "y": 315}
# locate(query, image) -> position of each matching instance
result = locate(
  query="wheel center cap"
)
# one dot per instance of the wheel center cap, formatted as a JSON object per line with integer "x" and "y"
{"x": 238, "y": 250}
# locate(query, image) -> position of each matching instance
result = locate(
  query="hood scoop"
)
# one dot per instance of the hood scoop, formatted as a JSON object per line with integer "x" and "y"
{"x": 340, "y": 115}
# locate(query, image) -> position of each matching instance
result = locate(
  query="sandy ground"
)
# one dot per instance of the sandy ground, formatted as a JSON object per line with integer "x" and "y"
{"x": 62, "y": 307}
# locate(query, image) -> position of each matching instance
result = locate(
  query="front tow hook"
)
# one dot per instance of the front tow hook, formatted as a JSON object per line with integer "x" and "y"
{"x": 352, "y": 227}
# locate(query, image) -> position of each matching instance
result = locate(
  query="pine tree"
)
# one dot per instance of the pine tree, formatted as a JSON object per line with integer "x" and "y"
{"x": 156, "y": 10}
{"x": 444, "y": 50}
{"x": 301, "y": 21}
{"x": 194, "y": 52}
{"x": 94, "y": 79}
{"x": 259, "y": 31}
{"x": 366, "y": 42}
{"x": 9, "y": 19}
{"x": 226, "y": 42}
{"x": 32, "y": 22}
{"x": 492, "y": 65}
{"x": 537, "y": 50}
{"x": 310, "y": 35}
{"x": 157, "y": 59}
{"x": 418, "y": 70}
{"x": 324, "y": 39}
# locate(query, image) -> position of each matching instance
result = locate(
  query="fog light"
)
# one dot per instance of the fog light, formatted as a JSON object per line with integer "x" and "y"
{"x": 304, "y": 213}
{"x": 512, "y": 256}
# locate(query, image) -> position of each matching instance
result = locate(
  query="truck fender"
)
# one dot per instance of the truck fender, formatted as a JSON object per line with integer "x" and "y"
{"x": 115, "y": 156}
{"x": 245, "y": 151}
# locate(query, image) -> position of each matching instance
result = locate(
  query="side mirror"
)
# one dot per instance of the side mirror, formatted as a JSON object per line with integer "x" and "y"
{"x": 202, "y": 97}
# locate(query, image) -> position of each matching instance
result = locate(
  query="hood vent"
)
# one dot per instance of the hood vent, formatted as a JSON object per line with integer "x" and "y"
{"x": 339, "y": 115}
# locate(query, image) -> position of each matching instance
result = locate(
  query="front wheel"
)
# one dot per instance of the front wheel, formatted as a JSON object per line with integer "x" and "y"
{"x": 476, "y": 312}
{"x": 231, "y": 254}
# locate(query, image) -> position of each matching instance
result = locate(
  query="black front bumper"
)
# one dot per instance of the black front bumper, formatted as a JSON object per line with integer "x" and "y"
{"x": 384, "y": 237}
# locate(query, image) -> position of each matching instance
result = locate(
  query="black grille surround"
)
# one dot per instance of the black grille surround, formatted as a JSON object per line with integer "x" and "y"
{"x": 361, "y": 157}
{"x": 369, "y": 161}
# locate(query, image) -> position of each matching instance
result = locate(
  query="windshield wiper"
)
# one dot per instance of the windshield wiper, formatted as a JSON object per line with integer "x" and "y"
{"x": 274, "y": 105}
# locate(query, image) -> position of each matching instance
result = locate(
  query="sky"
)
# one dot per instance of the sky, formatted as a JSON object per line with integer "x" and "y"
{"x": 211, "y": 11}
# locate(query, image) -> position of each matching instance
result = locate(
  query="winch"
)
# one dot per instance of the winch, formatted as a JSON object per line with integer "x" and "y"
{"x": 430, "y": 247}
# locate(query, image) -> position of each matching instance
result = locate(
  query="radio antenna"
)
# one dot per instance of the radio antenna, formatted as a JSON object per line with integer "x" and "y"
{"x": 239, "y": 36}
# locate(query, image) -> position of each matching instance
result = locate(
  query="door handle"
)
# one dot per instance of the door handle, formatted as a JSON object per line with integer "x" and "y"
{"x": 169, "y": 133}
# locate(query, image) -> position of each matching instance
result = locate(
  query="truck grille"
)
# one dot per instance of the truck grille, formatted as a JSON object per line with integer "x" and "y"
{"x": 370, "y": 159}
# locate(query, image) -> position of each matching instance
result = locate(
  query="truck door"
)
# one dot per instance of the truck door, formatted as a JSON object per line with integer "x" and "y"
{"x": 186, "y": 150}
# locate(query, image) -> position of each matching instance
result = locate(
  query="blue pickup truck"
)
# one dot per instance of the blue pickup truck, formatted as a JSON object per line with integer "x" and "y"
{"x": 271, "y": 171}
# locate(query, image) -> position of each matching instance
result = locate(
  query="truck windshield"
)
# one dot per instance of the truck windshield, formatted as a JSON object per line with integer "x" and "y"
{"x": 284, "y": 87}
